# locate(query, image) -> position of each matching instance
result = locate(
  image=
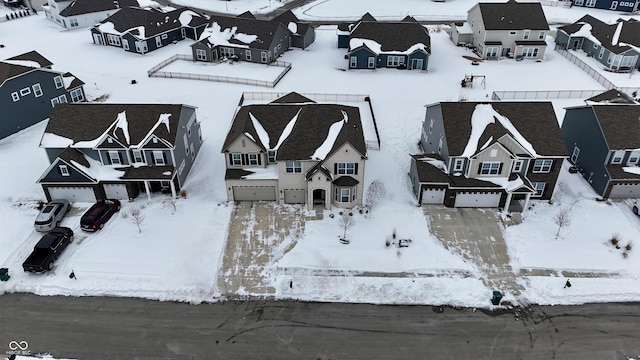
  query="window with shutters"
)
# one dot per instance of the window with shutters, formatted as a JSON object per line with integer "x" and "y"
{"x": 114, "y": 157}
{"x": 253, "y": 159}
{"x": 158, "y": 158}
{"x": 346, "y": 168}
{"x": 542, "y": 166}
{"x": 293, "y": 167}
{"x": 236, "y": 159}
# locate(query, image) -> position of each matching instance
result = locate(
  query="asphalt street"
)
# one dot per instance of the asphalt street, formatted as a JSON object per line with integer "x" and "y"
{"x": 123, "y": 328}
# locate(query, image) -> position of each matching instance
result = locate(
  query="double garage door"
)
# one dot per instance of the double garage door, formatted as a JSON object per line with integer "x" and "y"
{"x": 254, "y": 193}
{"x": 73, "y": 194}
{"x": 478, "y": 199}
{"x": 623, "y": 191}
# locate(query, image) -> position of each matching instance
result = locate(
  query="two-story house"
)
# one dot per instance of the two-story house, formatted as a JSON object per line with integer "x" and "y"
{"x": 604, "y": 143}
{"x": 511, "y": 29}
{"x": 615, "y": 46}
{"x": 495, "y": 154}
{"x": 296, "y": 151}
{"x": 72, "y": 14}
{"x": 372, "y": 44}
{"x": 614, "y": 5}
{"x": 29, "y": 89}
{"x": 102, "y": 151}
{"x": 141, "y": 30}
{"x": 246, "y": 38}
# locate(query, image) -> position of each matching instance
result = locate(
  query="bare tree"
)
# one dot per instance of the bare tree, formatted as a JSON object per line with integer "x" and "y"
{"x": 562, "y": 219}
{"x": 171, "y": 204}
{"x": 375, "y": 193}
{"x": 346, "y": 222}
{"x": 137, "y": 217}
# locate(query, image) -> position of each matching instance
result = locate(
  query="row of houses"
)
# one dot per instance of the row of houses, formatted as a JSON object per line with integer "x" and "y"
{"x": 294, "y": 150}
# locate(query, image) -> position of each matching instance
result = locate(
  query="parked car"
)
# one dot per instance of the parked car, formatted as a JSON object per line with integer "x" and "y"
{"x": 98, "y": 214}
{"x": 48, "y": 249}
{"x": 51, "y": 215}
{"x": 635, "y": 208}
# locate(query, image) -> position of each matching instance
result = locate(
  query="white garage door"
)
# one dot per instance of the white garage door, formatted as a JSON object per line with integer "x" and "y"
{"x": 116, "y": 191}
{"x": 79, "y": 193}
{"x": 294, "y": 196}
{"x": 475, "y": 199}
{"x": 433, "y": 196}
{"x": 254, "y": 193}
{"x": 624, "y": 191}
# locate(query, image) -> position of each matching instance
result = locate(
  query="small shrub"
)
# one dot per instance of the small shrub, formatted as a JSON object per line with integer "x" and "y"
{"x": 183, "y": 194}
{"x": 614, "y": 240}
{"x": 387, "y": 243}
{"x": 393, "y": 235}
{"x": 341, "y": 213}
{"x": 628, "y": 247}
{"x": 625, "y": 254}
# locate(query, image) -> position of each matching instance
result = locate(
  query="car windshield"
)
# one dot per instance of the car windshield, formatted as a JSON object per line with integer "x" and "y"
{"x": 87, "y": 220}
{"x": 47, "y": 209}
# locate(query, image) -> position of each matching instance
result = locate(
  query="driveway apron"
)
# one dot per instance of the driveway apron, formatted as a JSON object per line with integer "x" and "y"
{"x": 475, "y": 234}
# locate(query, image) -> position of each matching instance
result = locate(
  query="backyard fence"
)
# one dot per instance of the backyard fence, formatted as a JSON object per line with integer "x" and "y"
{"x": 544, "y": 94}
{"x": 155, "y": 72}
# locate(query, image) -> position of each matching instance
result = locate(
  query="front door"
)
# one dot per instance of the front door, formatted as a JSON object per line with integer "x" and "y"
{"x": 416, "y": 64}
{"x": 97, "y": 39}
{"x": 319, "y": 197}
{"x": 575, "y": 44}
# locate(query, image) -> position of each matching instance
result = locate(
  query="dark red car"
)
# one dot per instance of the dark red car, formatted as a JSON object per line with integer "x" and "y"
{"x": 98, "y": 214}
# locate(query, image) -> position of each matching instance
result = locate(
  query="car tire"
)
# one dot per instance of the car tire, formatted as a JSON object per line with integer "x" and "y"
{"x": 118, "y": 208}
{"x": 70, "y": 239}
{"x": 57, "y": 224}
{"x": 635, "y": 210}
{"x": 50, "y": 266}
{"x": 68, "y": 207}
{"x": 101, "y": 226}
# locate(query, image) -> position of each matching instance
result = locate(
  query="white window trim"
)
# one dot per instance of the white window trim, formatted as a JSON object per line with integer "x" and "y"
{"x": 15, "y": 96}
{"x": 57, "y": 80}
{"x": 37, "y": 90}
{"x": 517, "y": 165}
{"x": 158, "y": 155}
{"x": 613, "y": 157}
{"x": 238, "y": 161}
{"x": 114, "y": 155}
{"x": 543, "y": 166}
{"x": 544, "y": 186}
{"x": 253, "y": 159}
{"x": 293, "y": 165}
{"x": 490, "y": 169}
{"x": 26, "y": 91}
{"x": 64, "y": 170}
{"x": 458, "y": 164}
{"x": 347, "y": 168}
{"x": 137, "y": 154}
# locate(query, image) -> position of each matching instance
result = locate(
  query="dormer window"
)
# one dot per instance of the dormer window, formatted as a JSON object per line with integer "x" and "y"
{"x": 114, "y": 157}
{"x": 110, "y": 140}
{"x": 271, "y": 156}
{"x": 137, "y": 156}
{"x": 158, "y": 158}
{"x": 458, "y": 164}
{"x": 617, "y": 156}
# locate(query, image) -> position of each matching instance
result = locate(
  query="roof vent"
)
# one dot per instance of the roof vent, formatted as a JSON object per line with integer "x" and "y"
{"x": 502, "y": 18}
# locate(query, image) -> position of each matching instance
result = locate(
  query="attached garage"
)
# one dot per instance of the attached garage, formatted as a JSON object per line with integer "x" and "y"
{"x": 73, "y": 193}
{"x": 116, "y": 191}
{"x": 623, "y": 191}
{"x": 294, "y": 196}
{"x": 432, "y": 196}
{"x": 254, "y": 193}
{"x": 478, "y": 199}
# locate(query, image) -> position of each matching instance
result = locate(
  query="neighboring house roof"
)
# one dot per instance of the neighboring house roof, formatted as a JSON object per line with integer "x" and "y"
{"x": 70, "y": 81}
{"x": 617, "y": 38}
{"x": 83, "y": 125}
{"x": 613, "y": 96}
{"x": 32, "y": 56}
{"x": 291, "y": 22}
{"x": 146, "y": 23}
{"x": 404, "y": 36}
{"x": 79, "y": 7}
{"x": 620, "y": 125}
{"x": 471, "y": 126}
{"x": 513, "y": 15}
{"x": 299, "y": 131}
{"x": 235, "y": 31}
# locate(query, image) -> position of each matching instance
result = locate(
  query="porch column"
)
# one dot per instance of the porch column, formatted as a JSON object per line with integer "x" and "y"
{"x": 526, "y": 202}
{"x": 146, "y": 189}
{"x": 507, "y": 203}
{"x": 173, "y": 189}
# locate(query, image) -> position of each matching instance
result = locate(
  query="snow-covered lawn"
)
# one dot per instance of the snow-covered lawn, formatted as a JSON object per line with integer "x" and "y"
{"x": 178, "y": 253}
{"x": 244, "y": 70}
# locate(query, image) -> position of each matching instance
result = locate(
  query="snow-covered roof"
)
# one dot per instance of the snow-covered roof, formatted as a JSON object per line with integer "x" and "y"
{"x": 390, "y": 37}
{"x": 617, "y": 38}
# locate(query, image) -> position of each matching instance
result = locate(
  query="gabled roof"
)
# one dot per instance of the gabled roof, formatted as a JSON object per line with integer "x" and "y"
{"x": 287, "y": 18}
{"x": 532, "y": 124}
{"x": 613, "y": 37}
{"x": 392, "y": 36}
{"x": 620, "y": 125}
{"x": 513, "y": 15}
{"x": 302, "y": 131}
{"x": 83, "y": 124}
{"x": 33, "y": 56}
{"x": 428, "y": 172}
{"x": 348, "y": 26}
{"x": 240, "y": 31}
{"x": 613, "y": 96}
{"x": 292, "y": 98}
{"x": 247, "y": 14}
{"x": 79, "y": 7}
{"x": 146, "y": 23}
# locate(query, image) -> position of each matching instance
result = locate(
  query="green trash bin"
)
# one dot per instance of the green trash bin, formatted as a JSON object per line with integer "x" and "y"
{"x": 4, "y": 274}
{"x": 497, "y": 296}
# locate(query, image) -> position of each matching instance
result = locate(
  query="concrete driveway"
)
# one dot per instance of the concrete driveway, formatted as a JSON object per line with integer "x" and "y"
{"x": 256, "y": 231}
{"x": 475, "y": 234}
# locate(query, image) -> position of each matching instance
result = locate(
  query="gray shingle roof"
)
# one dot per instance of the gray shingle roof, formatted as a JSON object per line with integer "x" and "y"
{"x": 513, "y": 15}
{"x": 70, "y": 154}
{"x": 393, "y": 36}
{"x": 620, "y": 125}
{"x": 79, "y": 7}
{"x": 265, "y": 30}
{"x": 8, "y": 71}
{"x": 236, "y": 174}
{"x": 310, "y": 130}
{"x": 147, "y": 172}
{"x": 33, "y": 56}
{"x": 154, "y": 21}
{"x": 536, "y": 121}
{"x": 88, "y": 121}
{"x": 613, "y": 96}
{"x": 604, "y": 32}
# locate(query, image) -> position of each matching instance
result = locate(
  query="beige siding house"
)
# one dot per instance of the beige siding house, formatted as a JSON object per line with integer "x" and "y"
{"x": 496, "y": 30}
{"x": 296, "y": 151}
